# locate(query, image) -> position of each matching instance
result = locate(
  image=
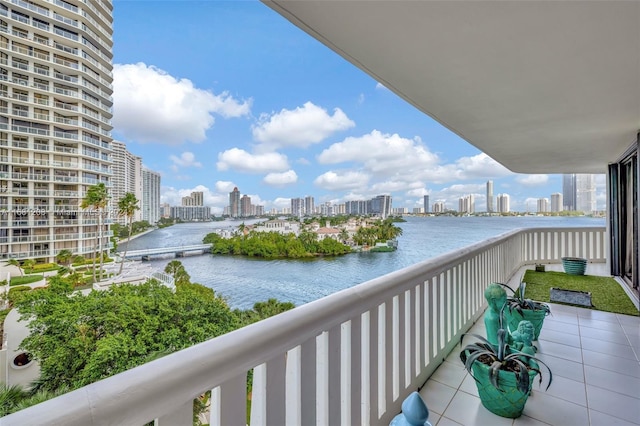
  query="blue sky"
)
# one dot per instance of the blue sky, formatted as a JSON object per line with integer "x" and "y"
{"x": 217, "y": 94}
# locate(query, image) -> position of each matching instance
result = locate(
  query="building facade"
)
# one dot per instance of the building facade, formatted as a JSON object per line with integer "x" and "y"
{"x": 234, "y": 203}
{"x": 489, "y": 196}
{"x": 425, "y": 203}
{"x": 543, "y": 205}
{"x": 127, "y": 177}
{"x": 569, "y": 192}
{"x": 55, "y": 125}
{"x": 191, "y": 213}
{"x": 150, "y": 195}
{"x": 585, "y": 193}
{"x": 502, "y": 203}
{"x": 556, "y": 202}
{"x": 467, "y": 204}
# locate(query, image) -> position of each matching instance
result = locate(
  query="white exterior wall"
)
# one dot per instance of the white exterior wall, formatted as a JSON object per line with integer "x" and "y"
{"x": 55, "y": 123}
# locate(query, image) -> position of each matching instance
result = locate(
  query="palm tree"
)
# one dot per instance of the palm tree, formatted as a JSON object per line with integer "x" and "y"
{"x": 127, "y": 206}
{"x": 29, "y": 264}
{"x": 14, "y": 262}
{"x": 96, "y": 198}
{"x": 176, "y": 269}
{"x": 64, "y": 257}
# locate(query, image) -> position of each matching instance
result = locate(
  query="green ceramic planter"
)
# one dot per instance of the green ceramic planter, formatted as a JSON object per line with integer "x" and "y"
{"x": 536, "y": 316}
{"x": 509, "y": 401}
{"x": 574, "y": 265}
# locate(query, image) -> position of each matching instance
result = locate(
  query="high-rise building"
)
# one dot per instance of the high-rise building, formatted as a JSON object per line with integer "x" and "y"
{"x": 309, "y": 205}
{"x": 297, "y": 207}
{"x": 489, "y": 196}
{"x": 55, "y": 131}
{"x": 556, "y": 202}
{"x": 438, "y": 207}
{"x": 150, "y": 196}
{"x": 467, "y": 204}
{"x": 380, "y": 205}
{"x": 543, "y": 205}
{"x": 191, "y": 213}
{"x": 127, "y": 177}
{"x": 502, "y": 201}
{"x": 425, "y": 203}
{"x": 188, "y": 201}
{"x": 234, "y": 203}
{"x": 585, "y": 193}
{"x": 198, "y": 198}
{"x": 245, "y": 206}
{"x": 569, "y": 192}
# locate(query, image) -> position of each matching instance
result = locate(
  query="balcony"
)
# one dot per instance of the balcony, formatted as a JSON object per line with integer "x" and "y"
{"x": 349, "y": 358}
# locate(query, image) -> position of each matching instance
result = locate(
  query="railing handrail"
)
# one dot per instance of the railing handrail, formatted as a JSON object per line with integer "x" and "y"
{"x": 165, "y": 385}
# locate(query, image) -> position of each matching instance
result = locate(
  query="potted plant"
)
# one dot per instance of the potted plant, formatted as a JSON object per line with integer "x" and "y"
{"x": 518, "y": 308}
{"x": 574, "y": 265}
{"x": 504, "y": 376}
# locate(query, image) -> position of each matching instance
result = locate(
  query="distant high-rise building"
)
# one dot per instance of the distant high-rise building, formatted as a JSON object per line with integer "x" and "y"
{"x": 297, "y": 207}
{"x": 489, "y": 196}
{"x": 309, "y": 205}
{"x": 245, "y": 206}
{"x": 569, "y": 192}
{"x": 191, "y": 213}
{"x": 425, "y": 203}
{"x": 198, "y": 198}
{"x": 150, "y": 196}
{"x": 585, "y": 193}
{"x": 543, "y": 205}
{"x": 438, "y": 207}
{"x": 188, "y": 201}
{"x": 165, "y": 210}
{"x": 380, "y": 205}
{"x": 467, "y": 204}
{"x": 556, "y": 202}
{"x": 502, "y": 202}
{"x": 127, "y": 178}
{"x": 234, "y": 203}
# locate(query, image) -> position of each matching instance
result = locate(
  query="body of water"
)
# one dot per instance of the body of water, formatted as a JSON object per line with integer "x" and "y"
{"x": 244, "y": 281}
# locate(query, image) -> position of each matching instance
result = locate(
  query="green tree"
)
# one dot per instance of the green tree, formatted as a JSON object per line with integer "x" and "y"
{"x": 64, "y": 257}
{"x": 127, "y": 206}
{"x": 79, "y": 339}
{"x": 262, "y": 310}
{"x": 16, "y": 263}
{"x": 178, "y": 272}
{"x": 97, "y": 198}
{"x": 28, "y": 265}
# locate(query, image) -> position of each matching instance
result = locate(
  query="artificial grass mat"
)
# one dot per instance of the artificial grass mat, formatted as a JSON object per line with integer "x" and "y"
{"x": 606, "y": 293}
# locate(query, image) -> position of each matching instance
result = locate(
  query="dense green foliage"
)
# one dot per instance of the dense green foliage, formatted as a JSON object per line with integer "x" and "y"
{"x": 79, "y": 339}
{"x": 27, "y": 279}
{"x": 274, "y": 245}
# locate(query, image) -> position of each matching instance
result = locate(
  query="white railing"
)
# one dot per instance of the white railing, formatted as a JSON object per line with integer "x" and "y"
{"x": 350, "y": 358}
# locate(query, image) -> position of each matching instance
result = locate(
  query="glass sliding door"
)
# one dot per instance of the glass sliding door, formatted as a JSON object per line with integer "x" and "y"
{"x": 623, "y": 210}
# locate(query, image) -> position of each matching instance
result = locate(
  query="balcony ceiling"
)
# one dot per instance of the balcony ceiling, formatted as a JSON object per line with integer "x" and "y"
{"x": 542, "y": 87}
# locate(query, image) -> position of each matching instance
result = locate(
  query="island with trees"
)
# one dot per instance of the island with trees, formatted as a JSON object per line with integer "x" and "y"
{"x": 304, "y": 240}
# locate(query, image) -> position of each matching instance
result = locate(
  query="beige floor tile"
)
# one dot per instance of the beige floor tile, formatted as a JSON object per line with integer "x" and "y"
{"x": 616, "y": 382}
{"x": 609, "y": 348}
{"x": 601, "y": 419}
{"x": 614, "y": 404}
{"x": 620, "y": 365}
{"x": 437, "y": 396}
{"x": 555, "y": 411}
{"x": 468, "y": 411}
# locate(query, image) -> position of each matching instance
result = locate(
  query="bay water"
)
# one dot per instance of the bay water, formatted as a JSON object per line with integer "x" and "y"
{"x": 244, "y": 281}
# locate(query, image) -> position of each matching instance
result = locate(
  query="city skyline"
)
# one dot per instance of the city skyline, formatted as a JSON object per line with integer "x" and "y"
{"x": 281, "y": 120}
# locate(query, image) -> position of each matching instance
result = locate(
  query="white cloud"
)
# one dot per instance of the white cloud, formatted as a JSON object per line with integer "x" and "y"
{"x": 224, "y": 186}
{"x": 281, "y": 203}
{"x": 300, "y": 127}
{"x": 281, "y": 179}
{"x": 243, "y": 161}
{"x": 342, "y": 180}
{"x": 532, "y": 180}
{"x": 381, "y": 153}
{"x": 186, "y": 159}
{"x": 150, "y": 105}
{"x": 481, "y": 166}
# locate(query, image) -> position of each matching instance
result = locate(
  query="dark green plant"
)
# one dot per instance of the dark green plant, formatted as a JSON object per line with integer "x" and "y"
{"x": 517, "y": 302}
{"x": 501, "y": 357}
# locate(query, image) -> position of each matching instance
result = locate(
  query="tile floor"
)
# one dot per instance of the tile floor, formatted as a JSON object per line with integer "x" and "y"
{"x": 595, "y": 360}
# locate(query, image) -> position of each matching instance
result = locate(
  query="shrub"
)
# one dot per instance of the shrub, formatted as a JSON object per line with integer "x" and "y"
{"x": 27, "y": 279}
{"x": 16, "y": 293}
